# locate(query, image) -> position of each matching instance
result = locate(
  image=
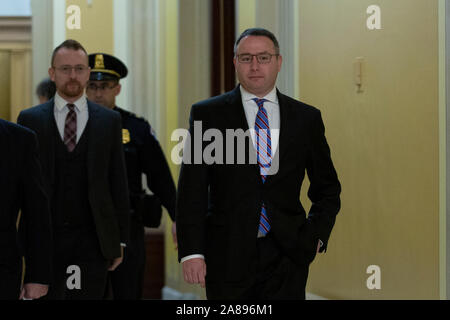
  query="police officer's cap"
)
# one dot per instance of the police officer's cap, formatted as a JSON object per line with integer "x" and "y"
{"x": 106, "y": 67}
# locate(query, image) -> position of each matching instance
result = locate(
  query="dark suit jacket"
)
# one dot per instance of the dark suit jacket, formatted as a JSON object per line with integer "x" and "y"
{"x": 108, "y": 191}
{"x": 219, "y": 205}
{"x": 21, "y": 188}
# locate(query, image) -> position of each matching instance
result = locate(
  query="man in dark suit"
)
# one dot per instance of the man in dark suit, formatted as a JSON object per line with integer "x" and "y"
{"x": 21, "y": 188}
{"x": 143, "y": 155}
{"x": 84, "y": 168}
{"x": 241, "y": 228}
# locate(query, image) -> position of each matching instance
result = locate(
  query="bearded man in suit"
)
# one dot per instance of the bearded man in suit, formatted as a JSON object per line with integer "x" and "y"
{"x": 85, "y": 178}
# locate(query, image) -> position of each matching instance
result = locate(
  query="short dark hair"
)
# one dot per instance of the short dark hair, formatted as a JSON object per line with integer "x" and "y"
{"x": 46, "y": 88}
{"x": 261, "y": 33}
{"x": 69, "y": 44}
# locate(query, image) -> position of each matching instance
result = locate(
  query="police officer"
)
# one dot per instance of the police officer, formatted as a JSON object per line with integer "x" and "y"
{"x": 143, "y": 154}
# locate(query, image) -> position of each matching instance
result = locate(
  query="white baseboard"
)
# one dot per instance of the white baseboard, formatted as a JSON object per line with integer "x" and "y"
{"x": 172, "y": 294}
{"x": 311, "y": 296}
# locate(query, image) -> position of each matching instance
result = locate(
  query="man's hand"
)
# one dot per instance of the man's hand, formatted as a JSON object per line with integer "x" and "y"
{"x": 174, "y": 235}
{"x": 319, "y": 245}
{"x": 194, "y": 271}
{"x": 33, "y": 291}
{"x": 115, "y": 262}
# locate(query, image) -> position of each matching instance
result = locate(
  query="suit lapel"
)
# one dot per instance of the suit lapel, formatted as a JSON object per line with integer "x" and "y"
{"x": 236, "y": 119}
{"x": 287, "y": 128}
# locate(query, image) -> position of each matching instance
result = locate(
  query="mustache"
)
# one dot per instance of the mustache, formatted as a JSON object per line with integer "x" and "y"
{"x": 73, "y": 82}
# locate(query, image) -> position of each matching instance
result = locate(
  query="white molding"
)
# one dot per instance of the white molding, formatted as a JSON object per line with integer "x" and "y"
{"x": 59, "y": 22}
{"x": 288, "y": 39}
{"x": 144, "y": 58}
{"x": 42, "y": 41}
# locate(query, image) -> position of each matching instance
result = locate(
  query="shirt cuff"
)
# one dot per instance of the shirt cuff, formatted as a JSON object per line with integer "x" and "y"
{"x": 192, "y": 256}
{"x": 123, "y": 245}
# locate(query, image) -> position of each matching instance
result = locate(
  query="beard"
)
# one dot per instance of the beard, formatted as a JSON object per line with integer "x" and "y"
{"x": 72, "y": 89}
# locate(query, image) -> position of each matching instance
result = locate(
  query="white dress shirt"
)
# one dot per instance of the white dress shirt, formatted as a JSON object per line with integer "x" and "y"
{"x": 273, "y": 112}
{"x": 251, "y": 110}
{"x": 61, "y": 110}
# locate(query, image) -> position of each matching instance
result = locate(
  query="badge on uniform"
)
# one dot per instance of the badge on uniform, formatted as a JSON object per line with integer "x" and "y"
{"x": 125, "y": 136}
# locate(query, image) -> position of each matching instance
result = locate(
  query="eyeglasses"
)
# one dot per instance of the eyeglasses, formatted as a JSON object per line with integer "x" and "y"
{"x": 262, "y": 58}
{"x": 68, "y": 69}
{"x": 102, "y": 88}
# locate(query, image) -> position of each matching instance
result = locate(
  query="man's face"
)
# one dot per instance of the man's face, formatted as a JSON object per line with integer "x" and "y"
{"x": 70, "y": 72}
{"x": 103, "y": 92}
{"x": 257, "y": 78}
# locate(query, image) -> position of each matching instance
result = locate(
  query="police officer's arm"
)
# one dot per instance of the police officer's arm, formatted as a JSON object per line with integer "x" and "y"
{"x": 118, "y": 181}
{"x": 156, "y": 169}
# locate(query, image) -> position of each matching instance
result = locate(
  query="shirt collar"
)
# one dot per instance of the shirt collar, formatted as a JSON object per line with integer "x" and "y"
{"x": 80, "y": 104}
{"x": 271, "y": 96}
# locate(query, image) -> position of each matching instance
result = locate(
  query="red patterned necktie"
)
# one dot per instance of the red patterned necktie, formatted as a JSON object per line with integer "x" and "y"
{"x": 264, "y": 156}
{"x": 70, "y": 128}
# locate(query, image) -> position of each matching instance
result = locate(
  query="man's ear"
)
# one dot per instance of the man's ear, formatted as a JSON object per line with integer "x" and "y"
{"x": 51, "y": 73}
{"x": 280, "y": 62}
{"x": 118, "y": 89}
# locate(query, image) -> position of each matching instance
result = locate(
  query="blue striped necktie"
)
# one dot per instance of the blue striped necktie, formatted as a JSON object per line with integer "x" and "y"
{"x": 264, "y": 156}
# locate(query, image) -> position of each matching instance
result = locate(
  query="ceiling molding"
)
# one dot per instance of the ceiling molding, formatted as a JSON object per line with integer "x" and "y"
{"x": 15, "y": 29}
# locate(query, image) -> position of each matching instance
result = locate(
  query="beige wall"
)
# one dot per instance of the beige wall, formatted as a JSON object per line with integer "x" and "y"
{"x": 384, "y": 143}
{"x": 96, "y": 33}
{"x": 20, "y": 80}
{"x": 5, "y": 84}
{"x": 15, "y": 66}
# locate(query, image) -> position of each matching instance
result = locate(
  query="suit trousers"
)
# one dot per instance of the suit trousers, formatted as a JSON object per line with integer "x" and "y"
{"x": 127, "y": 280}
{"x": 80, "y": 270}
{"x": 274, "y": 276}
{"x": 277, "y": 276}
